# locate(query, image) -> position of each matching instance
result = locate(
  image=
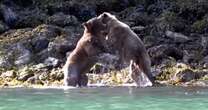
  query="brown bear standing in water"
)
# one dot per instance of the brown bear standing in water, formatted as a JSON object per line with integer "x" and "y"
{"x": 130, "y": 47}
{"x": 82, "y": 58}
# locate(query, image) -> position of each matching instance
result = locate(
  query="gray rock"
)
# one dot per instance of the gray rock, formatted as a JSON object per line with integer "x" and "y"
{"x": 137, "y": 15}
{"x": 15, "y": 55}
{"x": 107, "y": 62}
{"x": 34, "y": 80}
{"x": 25, "y": 77}
{"x": 24, "y": 74}
{"x": 184, "y": 76}
{"x": 3, "y": 27}
{"x": 9, "y": 74}
{"x": 61, "y": 46}
{"x": 53, "y": 62}
{"x": 44, "y": 76}
{"x": 47, "y": 31}
{"x": 204, "y": 62}
{"x": 187, "y": 58}
{"x": 200, "y": 83}
{"x": 62, "y": 20}
{"x": 202, "y": 74}
{"x": 138, "y": 28}
{"x": 57, "y": 48}
{"x": 204, "y": 43}
{"x": 163, "y": 52}
{"x": 23, "y": 55}
{"x": 205, "y": 77}
{"x": 40, "y": 43}
{"x": 106, "y": 58}
{"x": 31, "y": 18}
{"x": 57, "y": 74}
{"x": 177, "y": 37}
{"x": 5, "y": 62}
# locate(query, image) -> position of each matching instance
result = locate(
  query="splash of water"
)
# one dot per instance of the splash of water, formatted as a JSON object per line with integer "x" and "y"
{"x": 143, "y": 80}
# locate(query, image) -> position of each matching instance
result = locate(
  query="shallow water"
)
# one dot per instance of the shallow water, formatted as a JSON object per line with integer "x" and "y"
{"x": 165, "y": 98}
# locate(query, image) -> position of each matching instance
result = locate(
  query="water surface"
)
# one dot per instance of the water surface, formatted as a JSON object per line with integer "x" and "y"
{"x": 120, "y": 98}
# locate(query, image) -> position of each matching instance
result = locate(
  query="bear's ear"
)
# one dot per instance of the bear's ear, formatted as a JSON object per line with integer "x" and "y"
{"x": 105, "y": 15}
{"x": 84, "y": 24}
{"x": 87, "y": 26}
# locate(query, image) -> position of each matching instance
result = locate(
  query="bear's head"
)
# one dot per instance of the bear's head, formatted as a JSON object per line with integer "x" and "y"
{"x": 105, "y": 17}
{"x": 95, "y": 27}
{"x": 93, "y": 32}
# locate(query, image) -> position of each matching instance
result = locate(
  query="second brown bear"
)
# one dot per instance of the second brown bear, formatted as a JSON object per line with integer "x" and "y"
{"x": 82, "y": 58}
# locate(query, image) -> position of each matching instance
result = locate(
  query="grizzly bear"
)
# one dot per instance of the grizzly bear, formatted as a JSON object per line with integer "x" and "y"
{"x": 82, "y": 58}
{"x": 129, "y": 45}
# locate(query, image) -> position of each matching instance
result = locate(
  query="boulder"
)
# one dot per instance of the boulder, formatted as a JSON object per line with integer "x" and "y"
{"x": 204, "y": 43}
{"x": 62, "y": 20}
{"x": 25, "y": 73}
{"x": 24, "y": 56}
{"x": 184, "y": 76}
{"x": 31, "y": 18}
{"x": 39, "y": 44}
{"x": 177, "y": 37}
{"x": 3, "y": 27}
{"x": 9, "y": 74}
{"x": 5, "y": 62}
{"x": 47, "y": 31}
{"x": 34, "y": 80}
{"x": 56, "y": 74}
{"x": 52, "y": 62}
{"x": 17, "y": 55}
{"x": 164, "y": 51}
{"x": 204, "y": 62}
{"x": 82, "y": 11}
{"x": 44, "y": 76}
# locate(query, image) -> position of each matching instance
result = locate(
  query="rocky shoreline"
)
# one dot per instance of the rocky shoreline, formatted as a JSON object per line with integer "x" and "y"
{"x": 34, "y": 48}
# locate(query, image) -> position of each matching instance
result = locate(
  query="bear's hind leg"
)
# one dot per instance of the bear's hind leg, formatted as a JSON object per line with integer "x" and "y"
{"x": 83, "y": 80}
{"x": 138, "y": 75}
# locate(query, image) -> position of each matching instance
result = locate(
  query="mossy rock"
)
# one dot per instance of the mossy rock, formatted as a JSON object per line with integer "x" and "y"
{"x": 205, "y": 77}
{"x": 168, "y": 72}
{"x": 200, "y": 26}
{"x": 171, "y": 21}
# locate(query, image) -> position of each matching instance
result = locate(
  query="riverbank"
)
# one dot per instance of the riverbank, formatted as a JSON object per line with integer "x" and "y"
{"x": 34, "y": 48}
{"x": 180, "y": 75}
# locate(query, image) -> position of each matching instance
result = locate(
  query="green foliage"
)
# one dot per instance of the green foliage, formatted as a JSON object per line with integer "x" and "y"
{"x": 200, "y": 26}
{"x": 171, "y": 21}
